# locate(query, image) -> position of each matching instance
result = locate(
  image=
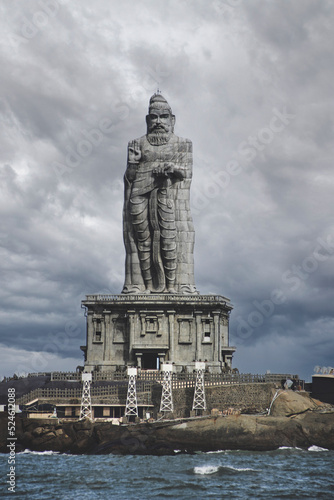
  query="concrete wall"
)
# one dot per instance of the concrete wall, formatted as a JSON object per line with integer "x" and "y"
{"x": 252, "y": 398}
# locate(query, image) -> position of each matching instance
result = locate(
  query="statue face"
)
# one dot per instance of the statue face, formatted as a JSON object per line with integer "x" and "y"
{"x": 160, "y": 120}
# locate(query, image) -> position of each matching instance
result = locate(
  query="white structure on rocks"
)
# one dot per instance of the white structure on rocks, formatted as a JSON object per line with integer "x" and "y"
{"x": 86, "y": 402}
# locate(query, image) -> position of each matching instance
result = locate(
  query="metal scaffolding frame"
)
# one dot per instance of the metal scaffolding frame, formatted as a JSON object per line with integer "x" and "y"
{"x": 86, "y": 401}
{"x": 166, "y": 404}
{"x": 199, "y": 402}
{"x": 131, "y": 400}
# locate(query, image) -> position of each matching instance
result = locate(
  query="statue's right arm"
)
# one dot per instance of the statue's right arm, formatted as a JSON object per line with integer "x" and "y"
{"x": 134, "y": 155}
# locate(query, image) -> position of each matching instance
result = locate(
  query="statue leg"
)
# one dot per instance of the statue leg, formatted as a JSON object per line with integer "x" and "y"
{"x": 140, "y": 222}
{"x": 168, "y": 238}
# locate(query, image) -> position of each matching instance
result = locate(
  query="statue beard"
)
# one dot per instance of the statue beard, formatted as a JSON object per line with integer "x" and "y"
{"x": 158, "y": 137}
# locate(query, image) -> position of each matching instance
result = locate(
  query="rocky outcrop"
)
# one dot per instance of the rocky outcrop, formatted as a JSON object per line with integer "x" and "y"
{"x": 247, "y": 432}
{"x": 244, "y": 432}
{"x": 294, "y": 421}
{"x": 288, "y": 403}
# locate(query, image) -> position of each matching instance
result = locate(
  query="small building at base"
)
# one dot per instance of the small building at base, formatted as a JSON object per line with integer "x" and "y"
{"x": 147, "y": 330}
{"x": 323, "y": 387}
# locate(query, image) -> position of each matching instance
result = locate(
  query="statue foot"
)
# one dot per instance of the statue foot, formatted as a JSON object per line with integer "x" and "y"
{"x": 171, "y": 290}
{"x": 131, "y": 290}
{"x": 188, "y": 290}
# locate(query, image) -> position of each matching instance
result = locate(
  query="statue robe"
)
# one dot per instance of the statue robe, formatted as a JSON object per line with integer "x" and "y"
{"x": 176, "y": 151}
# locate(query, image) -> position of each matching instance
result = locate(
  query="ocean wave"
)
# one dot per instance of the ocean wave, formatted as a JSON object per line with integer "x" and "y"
{"x": 206, "y": 469}
{"x": 214, "y": 469}
{"x": 29, "y": 452}
{"x": 317, "y": 448}
{"x": 243, "y": 469}
{"x": 218, "y": 451}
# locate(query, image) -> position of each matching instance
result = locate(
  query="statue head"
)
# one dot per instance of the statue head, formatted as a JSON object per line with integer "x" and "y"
{"x": 160, "y": 120}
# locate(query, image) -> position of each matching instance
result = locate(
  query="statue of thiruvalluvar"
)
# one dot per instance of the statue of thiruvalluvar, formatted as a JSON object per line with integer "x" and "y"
{"x": 157, "y": 224}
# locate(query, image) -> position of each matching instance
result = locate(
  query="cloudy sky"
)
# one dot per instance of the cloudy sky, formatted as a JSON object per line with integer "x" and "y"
{"x": 251, "y": 84}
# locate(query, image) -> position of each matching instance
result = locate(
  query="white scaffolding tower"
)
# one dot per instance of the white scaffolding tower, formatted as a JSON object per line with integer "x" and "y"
{"x": 199, "y": 402}
{"x": 166, "y": 404}
{"x": 131, "y": 400}
{"x": 86, "y": 402}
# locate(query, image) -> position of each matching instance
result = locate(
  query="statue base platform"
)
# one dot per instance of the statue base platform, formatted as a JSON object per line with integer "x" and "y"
{"x": 147, "y": 330}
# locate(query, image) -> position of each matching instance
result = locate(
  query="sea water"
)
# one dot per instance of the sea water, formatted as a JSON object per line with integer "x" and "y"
{"x": 285, "y": 473}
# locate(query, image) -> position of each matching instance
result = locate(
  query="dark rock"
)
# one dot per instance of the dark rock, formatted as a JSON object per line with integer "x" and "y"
{"x": 38, "y": 431}
{"x": 85, "y": 424}
{"x": 245, "y": 432}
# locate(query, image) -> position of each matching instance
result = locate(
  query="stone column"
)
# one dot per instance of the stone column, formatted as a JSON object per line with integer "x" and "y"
{"x": 90, "y": 333}
{"x": 103, "y": 335}
{"x": 139, "y": 358}
{"x": 107, "y": 335}
{"x": 161, "y": 358}
{"x": 142, "y": 316}
{"x": 160, "y": 318}
{"x": 131, "y": 332}
{"x": 199, "y": 334}
{"x": 171, "y": 316}
{"x": 216, "y": 342}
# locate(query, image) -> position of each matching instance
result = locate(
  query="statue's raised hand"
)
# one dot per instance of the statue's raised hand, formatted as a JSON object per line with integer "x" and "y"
{"x": 134, "y": 152}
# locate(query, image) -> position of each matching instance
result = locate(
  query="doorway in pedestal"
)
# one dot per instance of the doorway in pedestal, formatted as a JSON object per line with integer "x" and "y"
{"x": 150, "y": 361}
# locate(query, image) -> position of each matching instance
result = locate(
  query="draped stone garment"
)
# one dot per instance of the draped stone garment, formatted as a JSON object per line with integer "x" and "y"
{"x": 173, "y": 196}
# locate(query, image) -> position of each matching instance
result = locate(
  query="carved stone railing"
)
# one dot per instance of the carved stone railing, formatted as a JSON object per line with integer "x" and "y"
{"x": 50, "y": 393}
{"x": 69, "y": 376}
{"x": 155, "y": 298}
{"x": 106, "y": 394}
{"x": 155, "y": 375}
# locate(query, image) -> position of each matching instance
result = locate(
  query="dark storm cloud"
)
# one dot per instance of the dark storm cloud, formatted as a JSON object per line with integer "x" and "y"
{"x": 75, "y": 90}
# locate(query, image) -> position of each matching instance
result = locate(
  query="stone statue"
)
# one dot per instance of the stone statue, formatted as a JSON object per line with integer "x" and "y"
{"x": 157, "y": 224}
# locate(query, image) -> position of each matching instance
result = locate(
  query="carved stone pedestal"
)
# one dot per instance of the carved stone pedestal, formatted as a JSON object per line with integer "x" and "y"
{"x": 147, "y": 330}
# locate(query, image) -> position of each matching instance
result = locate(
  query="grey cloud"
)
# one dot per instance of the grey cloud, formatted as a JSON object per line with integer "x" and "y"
{"x": 224, "y": 68}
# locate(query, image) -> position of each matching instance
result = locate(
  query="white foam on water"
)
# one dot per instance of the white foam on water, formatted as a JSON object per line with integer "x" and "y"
{"x": 242, "y": 469}
{"x": 317, "y": 448}
{"x": 212, "y": 452}
{"x": 26, "y": 452}
{"x": 212, "y": 469}
{"x": 290, "y": 448}
{"x": 177, "y": 451}
{"x": 234, "y": 451}
{"x": 206, "y": 469}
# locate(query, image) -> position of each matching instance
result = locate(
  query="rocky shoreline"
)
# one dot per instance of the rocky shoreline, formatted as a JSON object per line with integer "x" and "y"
{"x": 295, "y": 421}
